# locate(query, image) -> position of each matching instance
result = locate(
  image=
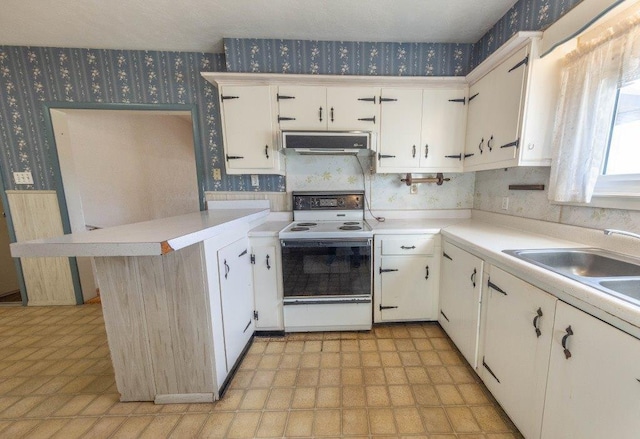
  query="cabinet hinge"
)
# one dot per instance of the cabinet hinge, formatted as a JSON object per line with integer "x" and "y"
{"x": 495, "y": 287}
{"x": 515, "y": 143}
{"x": 382, "y": 308}
{"x": 387, "y": 270}
{"x": 385, "y": 156}
{"x": 280, "y": 97}
{"x": 473, "y": 97}
{"x": 524, "y": 62}
{"x": 463, "y": 101}
{"x": 255, "y": 315}
{"x": 486, "y": 366}
{"x": 224, "y": 98}
{"x": 253, "y": 258}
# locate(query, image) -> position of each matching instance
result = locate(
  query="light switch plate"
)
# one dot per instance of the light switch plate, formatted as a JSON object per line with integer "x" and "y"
{"x": 23, "y": 177}
{"x": 414, "y": 189}
{"x": 255, "y": 182}
{"x": 217, "y": 175}
{"x": 505, "y": 203}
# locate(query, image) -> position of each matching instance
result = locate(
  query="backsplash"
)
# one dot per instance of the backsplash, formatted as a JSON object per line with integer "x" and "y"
{"x": 491, "y": 186}
{"x": 384, "y": 191}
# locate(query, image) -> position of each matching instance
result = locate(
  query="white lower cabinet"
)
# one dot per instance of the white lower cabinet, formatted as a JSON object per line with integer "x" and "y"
{"x": 406, "y": 277}
{"x": 518, "y": 325}
{"x": 236, "y": 293}
{"x": 267, "y": 283}
{"x": 460, "y": 292}
{"x": 593, "y": 389}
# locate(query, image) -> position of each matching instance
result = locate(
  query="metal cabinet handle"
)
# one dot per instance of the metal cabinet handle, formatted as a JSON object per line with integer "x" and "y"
{"x": 480, "y": 145}
{"x": 535, "y": 322}
{"x": 426, "y": 150}
{"x": 268, "y": 266}
{"x": 489, "y": 143}
{"x": 413, "y": 153}
{"x": 407, "y": 248}
{"x": 569, "y": 332}
{"x": 427, "y": 274}
{"x": 320, "y": 112}
{"x": 226, "y": 269}
{"x": 331, "y": 114}
{"x": 473, "y": 277}
{"x": 266, "y": 150}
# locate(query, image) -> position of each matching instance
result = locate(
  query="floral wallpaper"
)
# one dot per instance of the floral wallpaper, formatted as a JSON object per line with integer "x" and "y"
{"x": 31, "y": 76}
{"x": 531, "y": 15}
{"x": 346, "y": 57}
{"x": 491, "y": 186}
{"x": 384, "y": 191}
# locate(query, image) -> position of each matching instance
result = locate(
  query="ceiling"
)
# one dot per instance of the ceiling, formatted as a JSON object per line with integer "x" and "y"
{"x": 200, "y": 25}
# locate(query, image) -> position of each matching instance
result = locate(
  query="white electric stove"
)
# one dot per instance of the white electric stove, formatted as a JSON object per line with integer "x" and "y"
{"x": 326, "y": 260}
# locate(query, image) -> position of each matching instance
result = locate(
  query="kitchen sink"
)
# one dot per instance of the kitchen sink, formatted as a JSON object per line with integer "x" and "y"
{"x": 627, "y": 287}
{"x": 609, "y": 272}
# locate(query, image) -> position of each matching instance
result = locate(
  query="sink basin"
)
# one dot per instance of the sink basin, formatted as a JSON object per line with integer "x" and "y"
{"x": 611, "y": 273}
{"x": 627, "y": 287}
{"x": 579, "y": 262}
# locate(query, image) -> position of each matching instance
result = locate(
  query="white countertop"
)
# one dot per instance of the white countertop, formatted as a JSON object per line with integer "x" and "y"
{"x": 148, "y": 238}
{"x": 412, "y": 225}
{"x": 269, "y": 228}
{"x": 487, "y": 242}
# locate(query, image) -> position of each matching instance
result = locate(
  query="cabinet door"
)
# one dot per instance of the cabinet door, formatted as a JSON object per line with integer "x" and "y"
{"x": 517, "y": 343}
{"x": 460, "y": 287}
{"x": 248, "y": 128}
{"x": 506, "y": 105}
{"x": 234, "y": 269}
{"x": 408, "y": 292}
{"x": 595, "y": 393}
{"x": 302, "y": 108}
{"x": 353, "y": 108}
{"x": 477, "y": 135}
{"x": 400, "y": 122}
{"x": 443, "y": 129}
{"x": 266, "y": 291}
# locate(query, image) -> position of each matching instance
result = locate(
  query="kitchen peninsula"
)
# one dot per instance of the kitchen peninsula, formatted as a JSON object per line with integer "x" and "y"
{"x": 165, "y": 286}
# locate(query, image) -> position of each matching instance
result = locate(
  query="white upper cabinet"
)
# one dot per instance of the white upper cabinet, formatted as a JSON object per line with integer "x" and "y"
{"x": 422, "y": 130}
{"x": 328, "y": 108}
{"x": 401, "y": 117}
{"x": 248, "y": 130}
{"x": 511, "y": 108}
{"x": 444, "y": 116}
{"x": 302, "y": 107}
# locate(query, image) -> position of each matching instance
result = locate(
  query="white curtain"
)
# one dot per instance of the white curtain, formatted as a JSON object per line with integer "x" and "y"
{"x": 591, "y": 76}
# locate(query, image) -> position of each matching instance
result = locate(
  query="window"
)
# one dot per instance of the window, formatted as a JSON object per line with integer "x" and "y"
{"x": 620, "y": 177}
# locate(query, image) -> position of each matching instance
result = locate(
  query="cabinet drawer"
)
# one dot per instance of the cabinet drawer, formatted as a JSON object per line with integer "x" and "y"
{"x": 407, "y": 245}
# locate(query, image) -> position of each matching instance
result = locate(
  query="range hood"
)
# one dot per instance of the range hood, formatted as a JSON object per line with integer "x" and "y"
{"x": 327, "y": 142}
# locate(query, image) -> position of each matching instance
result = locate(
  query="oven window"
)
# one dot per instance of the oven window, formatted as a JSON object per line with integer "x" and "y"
{"x": 326, "y": 271}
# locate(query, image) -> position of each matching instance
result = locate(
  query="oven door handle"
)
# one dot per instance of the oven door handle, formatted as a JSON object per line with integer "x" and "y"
{"x": 327, "y": 301}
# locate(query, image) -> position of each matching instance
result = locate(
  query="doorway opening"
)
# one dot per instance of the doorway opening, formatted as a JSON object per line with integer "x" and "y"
{"x": 11, "y": 285}
{"x": 120, "y": 166}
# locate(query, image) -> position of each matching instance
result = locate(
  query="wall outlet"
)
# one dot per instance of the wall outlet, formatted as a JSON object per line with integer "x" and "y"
{"x": 255, "y": 182}
{"x": 505, "y": 203}
{"x": 414, "y": 189}
{"x": 217, "y": 175}
{"x": 23, "y": 177}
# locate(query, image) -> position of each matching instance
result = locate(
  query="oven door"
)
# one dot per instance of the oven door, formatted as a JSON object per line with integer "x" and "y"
{"x": 327, "y": 284}
{"x": 326, "y": 270}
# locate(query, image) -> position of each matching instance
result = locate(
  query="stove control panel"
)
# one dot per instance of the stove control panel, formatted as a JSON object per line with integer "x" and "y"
{"x": 327, "y": 201}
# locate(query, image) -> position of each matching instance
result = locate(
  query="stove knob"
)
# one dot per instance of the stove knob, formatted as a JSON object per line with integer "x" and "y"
{"x": 341, "y": 202}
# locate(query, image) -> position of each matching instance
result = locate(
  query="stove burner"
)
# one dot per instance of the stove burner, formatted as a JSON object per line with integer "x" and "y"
{"x": 350, "y": 228}
{"x": 306, "y": 224}
{"x": 299, "y": 229}
{"x": 351, "y": 223}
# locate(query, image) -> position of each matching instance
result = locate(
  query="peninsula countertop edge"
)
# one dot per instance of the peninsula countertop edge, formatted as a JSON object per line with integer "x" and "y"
{"x": 147, "y": 238}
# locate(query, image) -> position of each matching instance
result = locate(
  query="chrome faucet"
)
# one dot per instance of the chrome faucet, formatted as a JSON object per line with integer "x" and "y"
{"x": 621, "y": 232}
